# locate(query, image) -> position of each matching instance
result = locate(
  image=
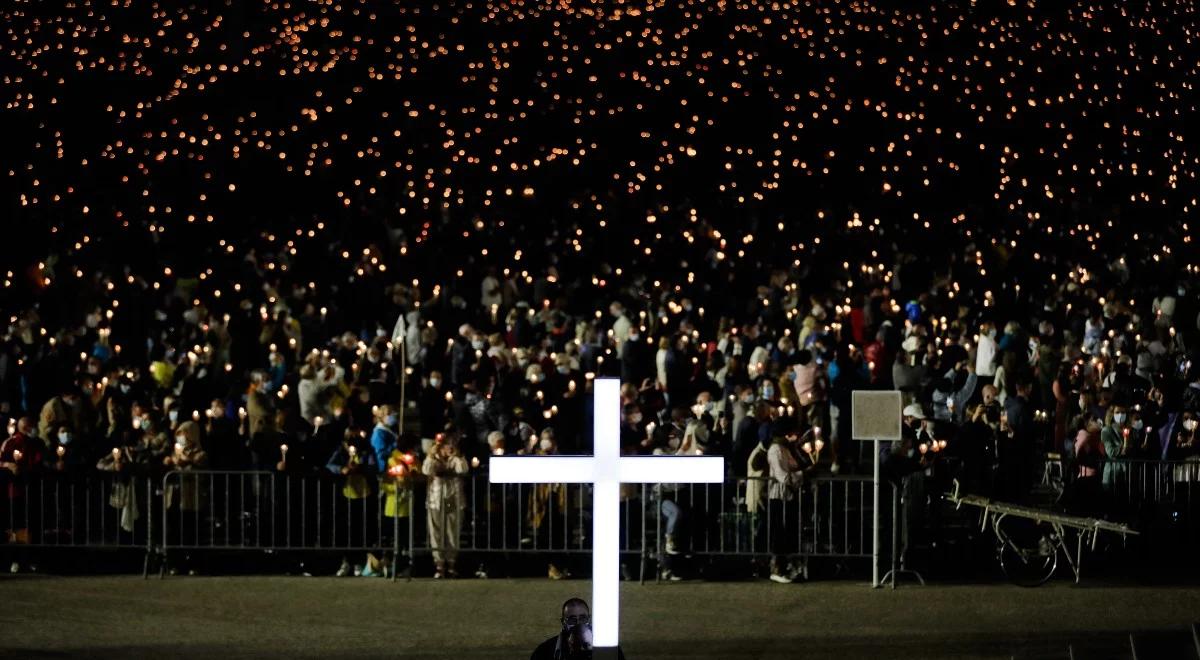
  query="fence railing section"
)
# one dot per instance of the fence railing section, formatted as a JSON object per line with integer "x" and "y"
{"x": 828, "y": 516}
{"x": 87, "y": 510}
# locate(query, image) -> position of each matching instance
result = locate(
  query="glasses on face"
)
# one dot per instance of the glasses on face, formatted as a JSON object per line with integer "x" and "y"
{"x": 576, "y": 620}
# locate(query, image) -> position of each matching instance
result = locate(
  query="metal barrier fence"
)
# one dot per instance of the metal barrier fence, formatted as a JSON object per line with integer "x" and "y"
{"x": 1137, "y": 481}
{"x": 829, "y": 516}
{"x": 100, "y": 510}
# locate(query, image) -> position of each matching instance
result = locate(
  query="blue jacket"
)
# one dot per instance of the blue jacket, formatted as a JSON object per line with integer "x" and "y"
{"x": 383, "y": 442}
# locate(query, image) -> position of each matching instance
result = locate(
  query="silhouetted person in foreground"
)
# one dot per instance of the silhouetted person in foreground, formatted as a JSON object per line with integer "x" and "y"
{"x": 574, "y": 641}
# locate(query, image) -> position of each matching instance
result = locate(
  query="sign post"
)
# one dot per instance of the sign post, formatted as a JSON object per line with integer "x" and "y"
{"x": 606, "y": 470}
{"x": 875, "y": 416}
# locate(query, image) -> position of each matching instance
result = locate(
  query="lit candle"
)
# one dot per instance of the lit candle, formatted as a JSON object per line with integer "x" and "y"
{"x": 475, "y": 462}
{"x": 283, "y": 450}
{"x": 61, "y": 451}
{"x": 16, "y": 455}
{"x": 116, "y": 454}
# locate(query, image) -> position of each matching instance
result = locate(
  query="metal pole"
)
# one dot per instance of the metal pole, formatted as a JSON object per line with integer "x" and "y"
{"x": 875, "y": 523}
{"x": 403, "y": 381}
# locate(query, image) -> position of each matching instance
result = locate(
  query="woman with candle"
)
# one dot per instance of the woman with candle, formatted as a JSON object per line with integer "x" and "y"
{"x": 354, "y": 461}
{"x": 1118, "y": 443}
{"x": 786, "y": 474}
{"x": 445, "y": 467}
{"x": 186, "y": 494}
{"x": 22, "y": 455}
{"x": 396, "y": 484}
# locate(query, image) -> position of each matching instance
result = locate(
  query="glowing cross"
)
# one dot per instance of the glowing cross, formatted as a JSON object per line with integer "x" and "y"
{"x": 607, "y": 470}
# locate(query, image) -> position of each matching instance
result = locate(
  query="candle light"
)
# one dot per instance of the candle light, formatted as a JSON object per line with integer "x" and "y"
{"x": 283, "y": 450}
{"x": 61, "y": 451}
{"x": 475, "y": 462}
{"x": 116, "y": 454}
{"x": 17, "y": 455}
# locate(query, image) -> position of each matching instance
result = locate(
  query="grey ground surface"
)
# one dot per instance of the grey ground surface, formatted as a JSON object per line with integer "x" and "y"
{"x": 293, "y": 617}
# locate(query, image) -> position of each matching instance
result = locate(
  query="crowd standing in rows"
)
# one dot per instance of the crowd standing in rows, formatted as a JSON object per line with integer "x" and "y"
{"x": 336, "y": 271}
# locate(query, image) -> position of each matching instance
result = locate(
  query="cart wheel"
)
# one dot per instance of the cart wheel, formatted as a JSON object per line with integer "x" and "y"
{"x": 1028, "y": 553}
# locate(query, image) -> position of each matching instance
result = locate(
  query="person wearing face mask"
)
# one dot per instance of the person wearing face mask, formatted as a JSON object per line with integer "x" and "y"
{"x": 445, "y": 467}
{"x": 384, "y": 437}
{"x": 1139, "y": 434}
{"x": 1185, "y": 446}
{"x": 766, "y": 390}
{"x": 66, "y": 455}
{"x": 786, "y": 470}
{"x": 1116, "y": 436}
{"x": 185, "y": 494}
{"x": 66, "y": 409}
{"x": 539, "y": 506}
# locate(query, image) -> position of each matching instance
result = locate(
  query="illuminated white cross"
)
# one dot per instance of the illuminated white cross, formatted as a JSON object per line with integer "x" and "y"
{"x": 607, "y": 470}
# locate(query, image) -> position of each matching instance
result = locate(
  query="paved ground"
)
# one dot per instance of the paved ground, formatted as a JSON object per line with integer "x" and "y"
{"x": 243, "y": 617}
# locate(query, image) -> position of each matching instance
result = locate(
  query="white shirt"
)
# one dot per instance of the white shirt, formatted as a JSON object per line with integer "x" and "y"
{"x": 985, "y": 357}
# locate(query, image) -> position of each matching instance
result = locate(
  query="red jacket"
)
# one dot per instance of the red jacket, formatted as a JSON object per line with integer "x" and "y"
{"x": 32, "y": 451}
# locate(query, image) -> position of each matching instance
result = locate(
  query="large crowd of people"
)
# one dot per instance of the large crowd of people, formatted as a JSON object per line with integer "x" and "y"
{"x": 342, "y": 239}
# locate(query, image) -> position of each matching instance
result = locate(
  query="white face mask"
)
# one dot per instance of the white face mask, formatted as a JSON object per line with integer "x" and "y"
{"x": 172, "y": 415}
{"x": 546, "y": 444}
{"x": 1119, "y": 418}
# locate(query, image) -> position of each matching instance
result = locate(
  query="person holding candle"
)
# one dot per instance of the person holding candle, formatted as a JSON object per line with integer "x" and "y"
{"x": 22, "y": 455}
{"x": 384, "y": 438}
{"x": 786, "y": 475}
{"x": 445, "y": 467}
{"x": 185, "y": 495}
{"x": 396, "y": 485}
{"x": 1116, "y": 436}
{"x": 354, "y": 461}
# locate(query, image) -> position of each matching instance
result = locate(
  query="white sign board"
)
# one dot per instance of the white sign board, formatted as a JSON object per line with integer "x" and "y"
{"x": 875, "y": 415}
